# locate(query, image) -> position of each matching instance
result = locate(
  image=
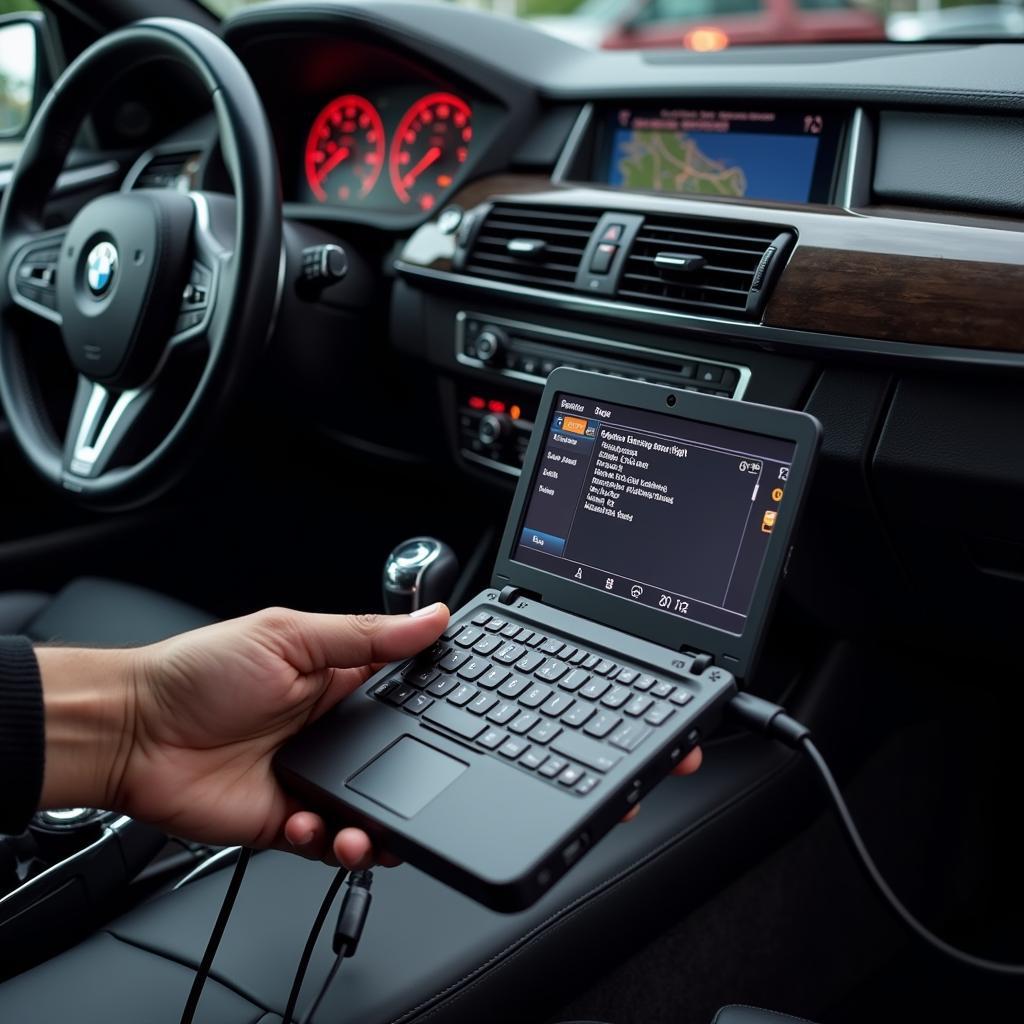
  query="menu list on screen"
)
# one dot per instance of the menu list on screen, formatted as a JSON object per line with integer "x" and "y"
{"x": 656, "y": 509}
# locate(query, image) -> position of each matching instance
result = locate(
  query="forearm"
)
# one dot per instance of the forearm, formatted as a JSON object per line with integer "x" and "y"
{"x": 88, "y": 700}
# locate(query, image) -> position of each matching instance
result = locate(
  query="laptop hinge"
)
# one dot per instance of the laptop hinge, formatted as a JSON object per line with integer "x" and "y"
{"x": 510, "y": 594}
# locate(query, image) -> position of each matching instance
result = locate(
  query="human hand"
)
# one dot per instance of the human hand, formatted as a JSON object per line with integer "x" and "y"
{"x": 182, "y": 733}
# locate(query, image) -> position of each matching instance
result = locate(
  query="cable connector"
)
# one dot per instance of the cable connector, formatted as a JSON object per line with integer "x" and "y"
{"x": 763, "y": 716}
{"x": 352, "y": 916}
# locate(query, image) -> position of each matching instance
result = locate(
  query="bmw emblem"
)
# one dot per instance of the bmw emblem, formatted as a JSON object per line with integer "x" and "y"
{"x": 100, "y": 268}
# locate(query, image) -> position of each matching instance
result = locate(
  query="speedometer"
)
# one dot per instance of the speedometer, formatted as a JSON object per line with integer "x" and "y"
{"x": 429, "y": 148}
{"x": 345, "y": 149}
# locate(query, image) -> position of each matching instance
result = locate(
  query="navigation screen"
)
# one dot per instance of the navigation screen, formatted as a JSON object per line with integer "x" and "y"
{"x": 741, "y": 154}
{"x": 664, "y": 511}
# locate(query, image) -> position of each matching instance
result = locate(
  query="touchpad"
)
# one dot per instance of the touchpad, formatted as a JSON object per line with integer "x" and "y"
{"x": 407, "y": 776}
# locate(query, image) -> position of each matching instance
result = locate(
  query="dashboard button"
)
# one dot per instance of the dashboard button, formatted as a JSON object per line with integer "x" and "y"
{"x": 601, "y": 261}
{"x": 707, "y": 373}
{"x": 612, "y": 233}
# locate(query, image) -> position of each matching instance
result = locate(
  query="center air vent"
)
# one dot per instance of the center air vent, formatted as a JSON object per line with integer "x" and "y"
{"x": 169, "y": 170}
{"x": 531, "y": 245}
{"x": 711, "y": 267}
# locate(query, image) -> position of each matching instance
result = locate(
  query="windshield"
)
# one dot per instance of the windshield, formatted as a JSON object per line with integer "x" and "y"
{"x": 718, "y": 24}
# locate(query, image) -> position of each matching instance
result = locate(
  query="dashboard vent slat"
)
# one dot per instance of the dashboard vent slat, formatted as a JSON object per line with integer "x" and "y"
{"x": 561, "y": 237}
{"x": 733, "y": 255}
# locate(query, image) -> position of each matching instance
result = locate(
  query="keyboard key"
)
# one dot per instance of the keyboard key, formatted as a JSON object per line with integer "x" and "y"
{"x": 578, "y": 714}
{"x": 421, "y": 677}
{"x": 535, "y": 640}
{"x": 481, "y": 619}
{"x": 381, "y": 690}
{"x": 401, "y": 693}
{"x": 433, "y": 654}
{"x": 594, "y": 755}
{"x": 638, "y": 705}
{"x": 577, "y": 658}
{"x": 616, "y": 696}
{"x": 544, "y": 731}
{"x": 513, "y": 747}
{"x": 463, "y": 695}
{"x": 535, "y": 696}
{"x": 571, "y": 775}
{"x": 662, "y": 690}
{"x": 601, "y": 724}
{"x": 504, "y": 712}
{"x": 493, "y": 679}
{"x": 604, "y": 667}
{"x": 586, "y": 784}
{"x": 469, "y": 636}
{"x": 452, "y": 631}
{"x": 509, "y": 653}
{"x": 513, "y": 686}
{"x": 487, "y": 644}
{"x": 528, "y": 662}
{"x": 644, "y": 682}
{"x": 681, "y": 697}
{"x": 629, "y": 736}
{"x": 574, "y": 680}
{"x": 526, "y": 636}
{"x": 512, "y": 630}
{"x": 591, "y": 662}
{"x": 659, "y": 713}
{"x": 552, "y": 670}
{"x": 482, "y": 703}
{"x": 496, "y": 625}
{"x": 461, "y": 722}
{"x": 595, "y": 688}
{"x": 474, "y": 669}
{"x": 552, "y": 767}
{"x": 556, "y": 704}
{"x": 533, "y": 759}
{"x": 439, "y": 687}
{"x": 493, "y": 738}
{"x": 453, "y": 660}
{"x": 552, "y": 646}
{"x": 418, "y": 703}
{"x": 524, "y": 723}
{"x": 627, "y": 675}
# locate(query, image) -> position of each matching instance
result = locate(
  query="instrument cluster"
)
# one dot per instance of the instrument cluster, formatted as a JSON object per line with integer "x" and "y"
{"x": 401, "y": 148}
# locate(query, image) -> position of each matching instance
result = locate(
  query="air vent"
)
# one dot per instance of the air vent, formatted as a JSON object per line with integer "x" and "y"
{"x": 531, "y": 245}
{"x": 713, "y": 267}
{"x": 169, "y": 170}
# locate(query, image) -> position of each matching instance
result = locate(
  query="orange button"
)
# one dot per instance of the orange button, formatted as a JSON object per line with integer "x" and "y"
{"x": 574, "y": 425}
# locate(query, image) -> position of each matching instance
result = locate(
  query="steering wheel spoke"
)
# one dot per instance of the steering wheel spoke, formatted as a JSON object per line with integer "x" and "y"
{"x": 32, "y": 274}
{"x": 101, "y": 422}
{"x": 210, "y": 256}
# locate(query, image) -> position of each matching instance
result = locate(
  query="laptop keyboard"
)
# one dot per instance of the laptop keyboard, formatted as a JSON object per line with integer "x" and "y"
{"x": 537, "y": 701}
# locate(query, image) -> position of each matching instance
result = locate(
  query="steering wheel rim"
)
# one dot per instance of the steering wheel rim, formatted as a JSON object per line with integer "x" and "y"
{"x": 241, "y": 294}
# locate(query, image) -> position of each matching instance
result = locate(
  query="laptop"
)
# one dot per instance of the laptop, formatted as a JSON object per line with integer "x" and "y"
{"x": 638, "y": 569}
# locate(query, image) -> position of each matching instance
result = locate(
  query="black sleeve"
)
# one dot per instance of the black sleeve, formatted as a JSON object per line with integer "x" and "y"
{"x": 22, "y": 747}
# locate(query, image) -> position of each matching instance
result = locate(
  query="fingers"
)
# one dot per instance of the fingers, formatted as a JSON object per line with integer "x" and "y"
{"x": 689, "y": 764}
{"x": 306, "y": 835}
{"x": 353, "y": 849}
{"x": 346, "y": 641}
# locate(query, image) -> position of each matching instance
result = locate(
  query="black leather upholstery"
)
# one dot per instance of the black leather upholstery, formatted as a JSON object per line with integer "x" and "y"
{"x": 98, "y": 612}
{"x": 752, "y": 1015}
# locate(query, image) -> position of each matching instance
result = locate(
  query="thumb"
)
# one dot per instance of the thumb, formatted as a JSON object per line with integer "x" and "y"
{"x": 351, "y": 641}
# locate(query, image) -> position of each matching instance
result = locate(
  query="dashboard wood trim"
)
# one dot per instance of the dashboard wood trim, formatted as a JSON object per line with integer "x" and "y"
{"x": 887, "y": 274}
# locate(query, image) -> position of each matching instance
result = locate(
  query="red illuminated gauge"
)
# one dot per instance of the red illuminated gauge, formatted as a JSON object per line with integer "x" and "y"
{"x": 345, "y": 150}
{"x": 429, "y": 148}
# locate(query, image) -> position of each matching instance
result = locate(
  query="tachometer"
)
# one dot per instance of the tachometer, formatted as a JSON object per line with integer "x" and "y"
{"x": 345, "y": 149}
{"x": 429, "y": 148}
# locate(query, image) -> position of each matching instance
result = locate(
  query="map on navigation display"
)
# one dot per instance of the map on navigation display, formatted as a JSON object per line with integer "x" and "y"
{"x": 714, "y": 153}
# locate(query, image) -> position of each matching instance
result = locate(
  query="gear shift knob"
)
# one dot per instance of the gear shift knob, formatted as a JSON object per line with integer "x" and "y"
{"x": 419, "y": 572}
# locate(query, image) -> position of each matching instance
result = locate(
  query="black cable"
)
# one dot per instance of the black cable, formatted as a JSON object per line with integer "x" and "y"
{"x": 768, "y": 718}
{"x": 203, "y": 971}
{"x": 307, "y": 952}
{"x": 323, "y": 988}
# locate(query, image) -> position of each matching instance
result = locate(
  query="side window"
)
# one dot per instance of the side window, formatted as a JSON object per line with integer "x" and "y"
{"x": 658, "y": 11}
{"x": 18, "y": 74}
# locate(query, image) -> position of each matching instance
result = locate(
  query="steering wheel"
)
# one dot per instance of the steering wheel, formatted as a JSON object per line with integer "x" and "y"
{"x": 136, "y": 276}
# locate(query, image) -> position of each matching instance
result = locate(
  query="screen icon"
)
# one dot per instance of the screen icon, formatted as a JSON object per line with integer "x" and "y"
{"x": 636, "y": 590}
{"x": 609, "y": 584}
{"x": 777, "y": 494}
{"x": 579, "y": 574}
{"x": 574, "y": 424}
{"x": 768, "y": 521}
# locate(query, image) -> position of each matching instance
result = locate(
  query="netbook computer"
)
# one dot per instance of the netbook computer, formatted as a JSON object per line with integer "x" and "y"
{"x": 638, "y": 569}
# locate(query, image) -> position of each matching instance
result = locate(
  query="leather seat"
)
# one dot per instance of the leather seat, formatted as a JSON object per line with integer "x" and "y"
{"x": 97, "y": 613}
{"x": 752, "y": 1015}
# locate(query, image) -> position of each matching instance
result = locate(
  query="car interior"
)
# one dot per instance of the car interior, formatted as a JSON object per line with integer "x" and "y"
{"x": 279, "y": 295}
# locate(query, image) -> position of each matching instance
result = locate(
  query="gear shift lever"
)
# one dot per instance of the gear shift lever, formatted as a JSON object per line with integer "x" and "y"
{"x": 417, "y": 573}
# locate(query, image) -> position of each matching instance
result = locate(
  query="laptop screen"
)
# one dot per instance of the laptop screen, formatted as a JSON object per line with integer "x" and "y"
{"x": 667, "y": 512}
